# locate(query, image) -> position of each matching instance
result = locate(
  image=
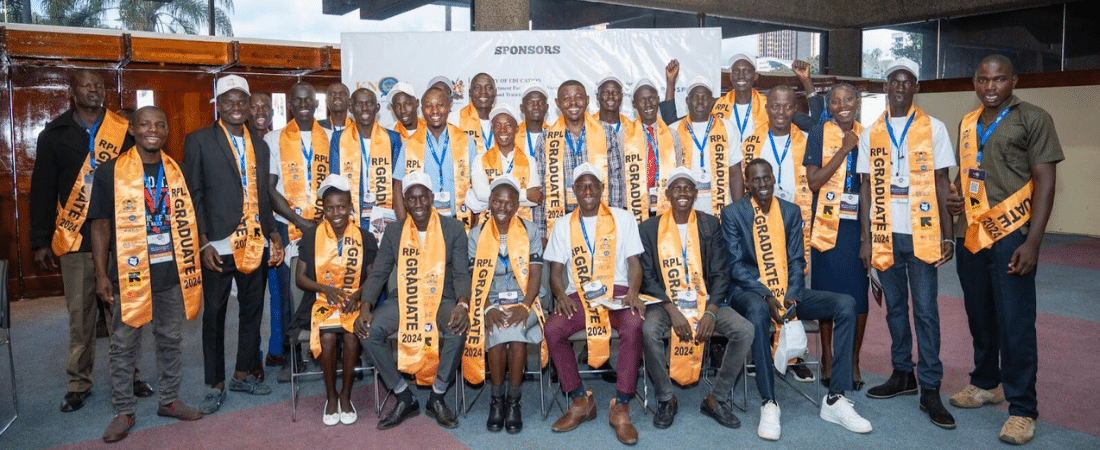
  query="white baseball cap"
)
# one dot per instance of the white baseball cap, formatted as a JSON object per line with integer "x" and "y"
{"x": 450, "y": 84}
{"x": 401, "y": 87}
{"x": 229, "y": 83}
{"x": 678, "y": 173}
{"x": 505, "y": 180}
{"x": 792, "y": 344}
{"x": 503, "y": 109}
{"x": 699, "y": 80}
{"x": 587, "y": 168}
{"x": 743, "y": 57}
{"x": 333, "y": 181}
{"x": 643, "y": 83}
{"x": 533, "y": 87}
{"x": 414, "y": 178}
{"x": 903, "y": 64}
{"x": 609, "y": 77}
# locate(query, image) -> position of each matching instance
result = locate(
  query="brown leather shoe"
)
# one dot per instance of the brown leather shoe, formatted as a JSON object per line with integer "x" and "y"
{"x": 179, "y": 410}
{"x": 581, "y": 410}
{"x": 119, "y": 428}
{"x": 619, "y": 418}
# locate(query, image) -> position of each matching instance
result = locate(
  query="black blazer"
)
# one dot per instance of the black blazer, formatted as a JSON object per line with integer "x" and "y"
{"x": 737, "y": 225}
{"x": 210, "y": 168}
{"x": 456, "y": 282}
{"x": 713, "y": 256}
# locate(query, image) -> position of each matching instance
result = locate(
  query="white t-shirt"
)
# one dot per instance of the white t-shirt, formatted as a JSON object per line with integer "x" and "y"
{"x": 627, "y": 243}
{"x": 702, "y": 172}
{"x": 943, "y": 154}
{"x": 275, "y": 167}
{"x": 477, "y": 197}
{"x": 783, "y": 166}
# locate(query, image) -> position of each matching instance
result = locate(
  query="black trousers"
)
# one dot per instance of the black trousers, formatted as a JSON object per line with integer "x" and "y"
{"x": 215, "y": 298}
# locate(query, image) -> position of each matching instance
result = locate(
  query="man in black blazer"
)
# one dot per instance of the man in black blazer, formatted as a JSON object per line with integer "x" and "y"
{"x": 215, "y": 157}
{"x": 758, "y": 303}
{"x": 666, "y": 317}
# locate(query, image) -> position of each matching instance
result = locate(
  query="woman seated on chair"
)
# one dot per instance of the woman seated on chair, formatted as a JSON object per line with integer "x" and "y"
{"x": 506, "y": 258}
{"x": 333, "y": 260}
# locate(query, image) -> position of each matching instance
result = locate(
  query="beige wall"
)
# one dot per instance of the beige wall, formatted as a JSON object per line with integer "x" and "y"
{"x": 1075, "y": 113}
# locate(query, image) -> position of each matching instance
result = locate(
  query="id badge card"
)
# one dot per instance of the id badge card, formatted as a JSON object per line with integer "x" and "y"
{"x": 443, "y": 203}
{"x": 783, "y": 194}
{"x": 653, "y": 193}
{"x": 508, "y": 298}
{"x": 899, "y": 189}
{"x": 849, "y": 206}
{"x": 160, "y": 247}
{"x": 977, "y": 176}
{"x": 594, "y": 290}
{"x": 369, "y": 200}
{"x": 570, "y": 197}
{"x": 688, "y": 303}
{"x": 702, "y": 178}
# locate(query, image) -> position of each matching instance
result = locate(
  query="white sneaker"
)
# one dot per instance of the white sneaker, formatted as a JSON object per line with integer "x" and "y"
{"x": 842, "y": 413}
{"x": 769, "y": 422}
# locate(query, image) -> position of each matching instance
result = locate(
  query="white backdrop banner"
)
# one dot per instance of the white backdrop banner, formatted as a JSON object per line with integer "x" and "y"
{"x": 516, "y": 58}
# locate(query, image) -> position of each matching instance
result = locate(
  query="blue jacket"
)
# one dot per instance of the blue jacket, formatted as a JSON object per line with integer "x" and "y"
{"x": 737, "y": 226}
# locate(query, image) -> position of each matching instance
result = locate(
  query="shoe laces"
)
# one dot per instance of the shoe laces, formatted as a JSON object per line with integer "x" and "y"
{"x": 970, "y": 391}
{"x": 1016, "y": 424}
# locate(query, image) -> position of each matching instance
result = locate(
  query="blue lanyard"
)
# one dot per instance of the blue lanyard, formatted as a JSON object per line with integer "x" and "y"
{"x": 530, "y": 147}
{"x": 687, "y": 270}
{"x": 653, "y": 149}
{"x": 440, "y": 157}
{"x": 849, "y": 175}
{"x": 890, "y": 129}
{"x": 504, "y": 260}
{"x": 618, "y": 126}
{"x": 488, "y": 137}
{"x": 309, "y": 161}
{"x": 984, "y": 135}
{"x": 241, "y": 158}
{"x": 340, "y": 247}
{"x": 591, "y": 245}
{"x": 92, "y": 131}
{"x": 701, "y": 146}
{"x": 511, "y": 163}
{"x": 577, "y": 146}
{"x": 364, "y": 169}
{"x": 742, "y": 124}
{"x": 779, "y": 160}
{"x": 155, "y": 191}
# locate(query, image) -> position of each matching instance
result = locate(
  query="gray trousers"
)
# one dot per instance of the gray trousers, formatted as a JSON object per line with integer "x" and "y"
{"x": 385, "y": 322}
{"x": 168, "y": 317}
{"x": 78, "y": 277}
{"x": 658, "y": 327}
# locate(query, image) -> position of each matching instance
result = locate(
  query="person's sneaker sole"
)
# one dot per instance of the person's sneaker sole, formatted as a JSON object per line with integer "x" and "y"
{"x": 913, "y": 391}
{"x": 946, "y": 426}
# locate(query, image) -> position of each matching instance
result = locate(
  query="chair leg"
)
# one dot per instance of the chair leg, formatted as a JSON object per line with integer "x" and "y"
{"x": 293, "y": 385}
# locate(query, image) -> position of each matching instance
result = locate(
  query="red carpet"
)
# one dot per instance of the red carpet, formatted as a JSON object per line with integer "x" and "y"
{"x": 1084, "y": 254}
{"x": 1067, "y": 394}
{"x": 269, "y": 427}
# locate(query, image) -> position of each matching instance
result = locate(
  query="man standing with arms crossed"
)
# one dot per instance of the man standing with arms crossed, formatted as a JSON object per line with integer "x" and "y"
{"x": 997, "y": 266}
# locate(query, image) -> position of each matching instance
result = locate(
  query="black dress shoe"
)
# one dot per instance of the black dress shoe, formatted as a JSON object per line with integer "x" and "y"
{"x": 666, "y": 413}
{"x": 900, "y": 383}
{"x": 719, "y": 410}
{"x": 930, "y": 403}
{"x": 496, "y": 414}
{"x": 513, "y": 418}
{"x": 74, "y": 401}
{"x": 438, "y": 410}
{"x": 142, "y": 389}
{"x": 399, "y": 413}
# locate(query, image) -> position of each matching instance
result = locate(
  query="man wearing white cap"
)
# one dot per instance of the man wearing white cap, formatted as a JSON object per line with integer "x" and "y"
{"x": 685, "y": 255}
{"x": 743, "y": 106}
{"x": 708, "y": 150}
{"x": 650, "y": 148}
{"x": 764, "y": 240}
{"x": 372, "y": 153}
{"x": 609, "y": 100}
{"x": 504, "y": 159}
{"x": 474, "y": 118}
{"x": 225, "y": 166}
{"x": 910, "y": 232}
{"x": 423, "y": 260}
{"x": 442, "y": 151}
{"x": 595, "y": 276}
{"x": 404, "y": 104}
{"x": 534, "y": 105}
{"x": 576, "y": 138}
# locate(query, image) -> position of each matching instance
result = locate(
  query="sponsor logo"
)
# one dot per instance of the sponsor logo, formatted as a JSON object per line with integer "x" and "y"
{"x": 132, "y": 261}
{"x": 385, "y": 84}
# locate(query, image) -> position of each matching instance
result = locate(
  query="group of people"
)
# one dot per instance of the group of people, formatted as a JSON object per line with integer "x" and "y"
{"x": 438, "y": 234}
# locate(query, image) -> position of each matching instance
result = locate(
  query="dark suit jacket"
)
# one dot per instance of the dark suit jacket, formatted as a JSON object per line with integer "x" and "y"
{"x": 713, "y": 256}
{"x": 210, "y": 167}
{"x": 737, "y": 226}
{"x": 455, "y": 284}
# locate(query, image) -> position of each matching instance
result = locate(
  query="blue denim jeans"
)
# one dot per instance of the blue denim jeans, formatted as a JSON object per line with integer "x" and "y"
{"x": 1001, "y": 311}
{"x": 281, "y": 312}
{"x": 923, "y": 285}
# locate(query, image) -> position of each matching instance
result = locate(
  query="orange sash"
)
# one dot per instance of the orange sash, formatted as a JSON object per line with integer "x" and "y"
{"x": 718, "y": 148}
{"x": 986, "y": 225}
{"x": 493, "y": 163}
{"x": 248, "y": 239}
{"x": 599, "y": 268}
{"x": 923, "y": 206}
{"x": 723, "y": 108}
{"x": 339, "y": 270}
{"x": 132, "y": 245}
{"x": 521, "y": 144}
{"x": 636, "y": 177}
{"x": 686, "y": 357}
{"x": 803, "y": 196}
{"x": 380, "y": 184}
{"x": 459, "y": 149}
{"x": 421, "y": 269}
{"x": 667, "y": 161}
{"x": 557, "y": 195}
{"x": 301, "y": 178}
{"x": 827, "y": 219}
{"x": 470, "y": 123}
{"x": 70, "y": 217}
{"x": 770, "y": 240}
{"x": 400, "y": 127}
